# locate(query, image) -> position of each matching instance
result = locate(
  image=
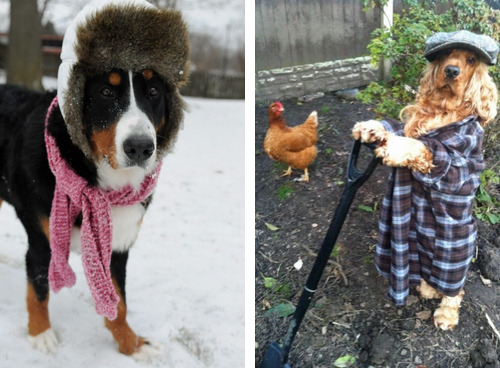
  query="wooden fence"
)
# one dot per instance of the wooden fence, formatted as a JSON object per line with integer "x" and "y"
{"x": 298, "y": 32}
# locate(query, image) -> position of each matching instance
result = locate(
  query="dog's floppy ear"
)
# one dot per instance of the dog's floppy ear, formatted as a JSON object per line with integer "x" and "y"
{"x": 482, "y": 95}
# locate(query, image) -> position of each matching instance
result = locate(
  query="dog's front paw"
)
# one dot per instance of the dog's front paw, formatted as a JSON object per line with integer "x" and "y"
{"x": 45, "y": 341}
{"x": 148, "y": 351}
{"x": 369, "y": 131}
{"x": 388, "y": 150}
{"x": 399, "y": 151}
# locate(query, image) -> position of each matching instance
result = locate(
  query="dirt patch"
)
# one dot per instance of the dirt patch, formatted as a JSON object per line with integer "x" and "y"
{"x": 350, "y": 314}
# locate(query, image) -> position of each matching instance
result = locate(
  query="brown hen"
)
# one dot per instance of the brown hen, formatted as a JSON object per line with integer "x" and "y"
{"x": 294, "y": 146}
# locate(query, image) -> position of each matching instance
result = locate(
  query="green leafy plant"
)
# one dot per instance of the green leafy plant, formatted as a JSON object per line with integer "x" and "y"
{"x": 270, "y": 283}
{"x": 487, "y": 207}
{"x": 280, "y": 166}
{"x": 335, "y": 252}
{"x": 284, "y": 191}
{"x": 276, "y": 287}
{"x": 368, "y": 259}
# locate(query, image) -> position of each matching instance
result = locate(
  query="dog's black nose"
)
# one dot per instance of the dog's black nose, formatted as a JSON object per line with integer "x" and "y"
{"x": 138, "y": 149}
{"x": 451, "y": 71}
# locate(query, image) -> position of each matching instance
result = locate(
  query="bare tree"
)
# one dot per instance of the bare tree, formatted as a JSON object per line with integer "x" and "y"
{"x": 41, "y": 13}
{"x": 240, "y": 59}
{"x": 24, "y": 62}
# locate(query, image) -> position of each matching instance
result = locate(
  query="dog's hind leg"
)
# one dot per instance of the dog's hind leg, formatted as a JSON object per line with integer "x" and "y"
{"x": 428, "y": 292}
{"x": 446, "y": 316}
{"x": 40, "y": 333}
{"x": 128, "y": 342}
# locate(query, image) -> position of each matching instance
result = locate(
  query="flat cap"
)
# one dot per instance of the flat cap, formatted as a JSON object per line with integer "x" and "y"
{"x": 484, "y": 46}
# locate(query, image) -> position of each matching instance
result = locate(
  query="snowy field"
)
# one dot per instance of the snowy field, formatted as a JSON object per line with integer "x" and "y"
{"x": 185, "y": 277}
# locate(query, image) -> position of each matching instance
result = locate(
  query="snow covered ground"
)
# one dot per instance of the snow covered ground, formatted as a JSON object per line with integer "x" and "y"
{"x": 185, "y": 279}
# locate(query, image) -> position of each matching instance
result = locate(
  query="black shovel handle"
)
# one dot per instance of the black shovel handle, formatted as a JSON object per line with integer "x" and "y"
{"x": 355, "y": 178}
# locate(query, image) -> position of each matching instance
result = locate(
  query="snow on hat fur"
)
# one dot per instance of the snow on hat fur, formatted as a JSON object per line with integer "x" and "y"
{"x": 132, "y": 35}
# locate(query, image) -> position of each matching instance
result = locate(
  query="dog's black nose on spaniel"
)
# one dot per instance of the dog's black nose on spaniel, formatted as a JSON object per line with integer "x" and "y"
{"x": 138, "y": 149}
{"x": 451, "y": 71}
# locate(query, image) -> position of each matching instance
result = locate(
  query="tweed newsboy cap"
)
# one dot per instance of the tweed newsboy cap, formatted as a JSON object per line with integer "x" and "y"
{"x": 484, "y": 46}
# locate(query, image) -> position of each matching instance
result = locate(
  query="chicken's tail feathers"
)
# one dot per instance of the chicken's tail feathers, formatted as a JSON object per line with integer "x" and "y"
{"x": 313, "y": 118}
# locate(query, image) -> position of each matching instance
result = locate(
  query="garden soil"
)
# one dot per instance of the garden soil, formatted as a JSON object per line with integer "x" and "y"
{"x": 350, "y": 316}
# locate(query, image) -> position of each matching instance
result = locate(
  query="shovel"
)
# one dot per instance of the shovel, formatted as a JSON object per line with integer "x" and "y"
{"x": 276, "y": 356}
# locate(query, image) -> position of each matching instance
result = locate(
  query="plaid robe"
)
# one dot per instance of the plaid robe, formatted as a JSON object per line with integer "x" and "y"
{"x": 426, "y": 226}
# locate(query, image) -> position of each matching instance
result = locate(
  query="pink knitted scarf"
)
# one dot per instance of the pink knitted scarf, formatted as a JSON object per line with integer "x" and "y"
{"x": 72, "y": 195}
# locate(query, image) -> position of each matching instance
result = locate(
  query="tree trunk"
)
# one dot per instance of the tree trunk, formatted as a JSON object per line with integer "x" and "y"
{"x": 24, "y": 61}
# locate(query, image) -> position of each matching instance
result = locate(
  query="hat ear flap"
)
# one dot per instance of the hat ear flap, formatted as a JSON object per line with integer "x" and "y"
{"x": 73, "y": 109}
{"x": 174, "y": 111}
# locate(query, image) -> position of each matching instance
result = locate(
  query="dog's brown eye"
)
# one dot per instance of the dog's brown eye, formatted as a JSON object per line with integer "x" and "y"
{"x": 153, "y": 91}
{"x": 471, "y": 61}
{"x": 106, "y": 92}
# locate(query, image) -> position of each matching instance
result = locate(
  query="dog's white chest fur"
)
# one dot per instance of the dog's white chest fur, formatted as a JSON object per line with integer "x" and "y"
{"x": 126, "y": 222}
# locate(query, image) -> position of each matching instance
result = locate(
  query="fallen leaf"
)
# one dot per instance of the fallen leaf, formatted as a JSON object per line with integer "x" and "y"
{"x": 423, "y": 315}
{"x": 486, "y": 282}
{"x": 345, "y": 361}
{"x": 323, "y": 330}
{"x": 342, "y": 153}
{"x": 281, "y": 310}
{"x": 412, "y": 299}
{"x": 271, "y": 227}
{"x": 362, "y": 207}
{"x": 266, "y": 304}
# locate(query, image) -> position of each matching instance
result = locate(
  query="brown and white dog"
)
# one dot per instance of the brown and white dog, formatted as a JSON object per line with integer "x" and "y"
{"x": 456, "y": 85}
{"x": 118, "y": 115}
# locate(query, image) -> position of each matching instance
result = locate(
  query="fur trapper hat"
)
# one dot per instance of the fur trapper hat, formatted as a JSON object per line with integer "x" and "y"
{"x": 131, "y": 35}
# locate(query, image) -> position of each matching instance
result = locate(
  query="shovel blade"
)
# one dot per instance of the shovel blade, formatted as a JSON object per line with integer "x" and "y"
{"x": 273, "y": 357}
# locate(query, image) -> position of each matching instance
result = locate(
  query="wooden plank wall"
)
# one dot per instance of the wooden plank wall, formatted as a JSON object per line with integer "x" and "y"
{"x": 296, "y": 32}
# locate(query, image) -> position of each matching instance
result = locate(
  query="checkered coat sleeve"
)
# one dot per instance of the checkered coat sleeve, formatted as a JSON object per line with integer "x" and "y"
{"x": 426, "y": 226}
